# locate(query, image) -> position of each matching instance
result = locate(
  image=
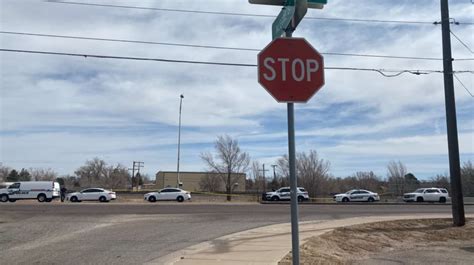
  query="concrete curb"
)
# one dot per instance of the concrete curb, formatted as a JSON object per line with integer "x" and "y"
{"x": 361, "y": 203}
{"x": 265, "y": 245}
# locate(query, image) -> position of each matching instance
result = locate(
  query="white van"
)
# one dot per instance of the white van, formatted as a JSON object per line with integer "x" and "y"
{"x": 43, "y": 191}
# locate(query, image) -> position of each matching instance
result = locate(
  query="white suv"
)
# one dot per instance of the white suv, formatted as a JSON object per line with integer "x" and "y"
{"x": 284, "y": 194}
{"x": 427, "y": 195}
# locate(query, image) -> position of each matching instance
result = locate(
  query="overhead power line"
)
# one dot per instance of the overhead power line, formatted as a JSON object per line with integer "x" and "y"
{"x": 216, "y": 47}
{"x": 460, "y": 41}
{"x": 384, "y": 72}
{"x": 462, "y": 84}
{"x": 241, "y": 14}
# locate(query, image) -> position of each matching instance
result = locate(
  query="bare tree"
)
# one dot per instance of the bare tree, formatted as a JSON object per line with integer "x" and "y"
{"x": 229, "y": 159}
{"x": 255, "y": 174}
{"x": 467, "y": 178}
{"x": 210, "y": 182}
{"x": 368, "y": 181}
{"x": 312, "y": 172}
{"x": 283, "y": 170}
{"x": 440, "y": 181}
{"x": 38, "y": 174}
{"x": 69, "y": 182}
{"x": 4, "y": 171}
{"x": 92, "y": 173}
{"x": 396, "y": 172}
{"x": 116, "y": 177}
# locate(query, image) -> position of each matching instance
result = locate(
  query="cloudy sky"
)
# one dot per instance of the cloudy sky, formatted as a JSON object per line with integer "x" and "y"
{"x": 59, "y": 111}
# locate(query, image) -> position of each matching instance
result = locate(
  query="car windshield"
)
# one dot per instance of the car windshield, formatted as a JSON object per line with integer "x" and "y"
{"x": 419, "y": 190}
{"x": 349, "y": 192}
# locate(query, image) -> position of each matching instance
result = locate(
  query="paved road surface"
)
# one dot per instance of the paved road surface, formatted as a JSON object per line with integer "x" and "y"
{"x": 91, "y": 233}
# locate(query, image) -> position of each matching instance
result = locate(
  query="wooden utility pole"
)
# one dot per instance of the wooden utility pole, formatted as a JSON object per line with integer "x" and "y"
{"x": 457, "y": 202}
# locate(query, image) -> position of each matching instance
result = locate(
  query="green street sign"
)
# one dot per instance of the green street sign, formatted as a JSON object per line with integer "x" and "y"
{"x": 282, "y": 22}
{"x": 273, "y": 2}
{"x": 311, "y": 3}
{"x": 301, "y": 9}
{"x": 317, "y": 4}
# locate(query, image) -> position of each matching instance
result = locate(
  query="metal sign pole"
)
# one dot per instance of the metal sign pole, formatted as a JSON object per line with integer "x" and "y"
{"x": 293, "y": 185}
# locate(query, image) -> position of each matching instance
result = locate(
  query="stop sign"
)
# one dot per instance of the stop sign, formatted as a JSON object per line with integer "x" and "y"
{"x": 290, "y": 69}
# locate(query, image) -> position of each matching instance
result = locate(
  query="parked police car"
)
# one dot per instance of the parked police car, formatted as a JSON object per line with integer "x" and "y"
{"x": 427, "y": 195}
{"x": 43, "y": 191}
{"x": 357, "y": 196}
{"x": 283, "y": 194}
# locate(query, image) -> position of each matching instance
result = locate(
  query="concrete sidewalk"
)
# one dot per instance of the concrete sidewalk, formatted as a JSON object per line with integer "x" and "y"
{"x": 264, "y": 245}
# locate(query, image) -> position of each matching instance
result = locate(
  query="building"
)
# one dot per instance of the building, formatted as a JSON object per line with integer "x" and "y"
{"x": 190, "y": 180}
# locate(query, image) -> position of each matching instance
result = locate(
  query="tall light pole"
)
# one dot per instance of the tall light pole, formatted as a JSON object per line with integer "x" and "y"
{"x": 178, "y": 184}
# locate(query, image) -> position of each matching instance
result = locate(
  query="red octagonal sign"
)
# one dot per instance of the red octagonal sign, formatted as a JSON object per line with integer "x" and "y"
{"x": 290, "y": 69}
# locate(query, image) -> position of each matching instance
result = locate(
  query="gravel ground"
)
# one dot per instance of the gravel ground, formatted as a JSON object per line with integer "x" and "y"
{"x": 430, "y": 241}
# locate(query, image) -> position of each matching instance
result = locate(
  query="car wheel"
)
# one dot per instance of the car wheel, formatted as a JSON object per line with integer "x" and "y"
{"x": 345, "y": 199}
{"x": 275, "y": 198}
{"x": 74, "y": 199}
{"x": 442, "y": 200}
{"x": 300, "y": 199}
{"x": 371, "y": 199}
{"x": 102, "y": 199}
{"x": 41, "y": 197}
{"x": 180, "y": 199}
{"x": 11, "y": 200}
{"x": 419, "y": 199}
{"x": 3, "y": 198}
{"x": 152, "y": 199}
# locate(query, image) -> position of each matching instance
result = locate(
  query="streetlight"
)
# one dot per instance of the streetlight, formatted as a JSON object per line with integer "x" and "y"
{"x": 179, "y": 184}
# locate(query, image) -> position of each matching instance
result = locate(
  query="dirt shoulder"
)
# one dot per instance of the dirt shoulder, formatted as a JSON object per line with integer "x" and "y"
{"x": 371, "y": 243}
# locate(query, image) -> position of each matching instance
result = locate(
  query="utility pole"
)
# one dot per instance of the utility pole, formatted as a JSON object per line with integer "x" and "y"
{"x": 264, "y": 179}
{"x": 457, "y": 202}
{"x": 274, "y": 173}
{"x": 137, "y": 165}
{"x": 133, "y": 173}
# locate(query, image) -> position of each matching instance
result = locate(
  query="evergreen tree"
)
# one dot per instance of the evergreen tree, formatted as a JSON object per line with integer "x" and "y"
{"x": 24, "y": 175}
{"x": 13, "y": 176}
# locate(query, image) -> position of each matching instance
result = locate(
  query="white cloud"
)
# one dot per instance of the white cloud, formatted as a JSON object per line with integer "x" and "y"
{"x": 53, "y": 105}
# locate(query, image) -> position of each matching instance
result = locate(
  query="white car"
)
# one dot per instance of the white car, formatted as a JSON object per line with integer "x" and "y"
{"x": 283, "y": 194}
{"x": 357, "y": 196}
{"x": 427, "y": 195}
{"x": 168, "y": 194}
{"x": 91, "y": 194}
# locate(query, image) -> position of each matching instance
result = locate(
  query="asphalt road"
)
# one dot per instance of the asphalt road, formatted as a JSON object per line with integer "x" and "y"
{"x": 92, "y": 233}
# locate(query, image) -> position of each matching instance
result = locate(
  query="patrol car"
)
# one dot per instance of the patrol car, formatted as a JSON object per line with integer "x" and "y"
{"x": 357, "y": 196}
{"x": 284, "y": 194}
{"x": 43, "y": 191}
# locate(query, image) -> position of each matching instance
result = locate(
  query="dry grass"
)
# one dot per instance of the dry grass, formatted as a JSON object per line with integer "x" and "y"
{"x": 343, "y": 245}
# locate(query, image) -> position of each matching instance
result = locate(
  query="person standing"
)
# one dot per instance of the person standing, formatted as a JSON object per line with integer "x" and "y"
{"x": 63, "y": 193}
